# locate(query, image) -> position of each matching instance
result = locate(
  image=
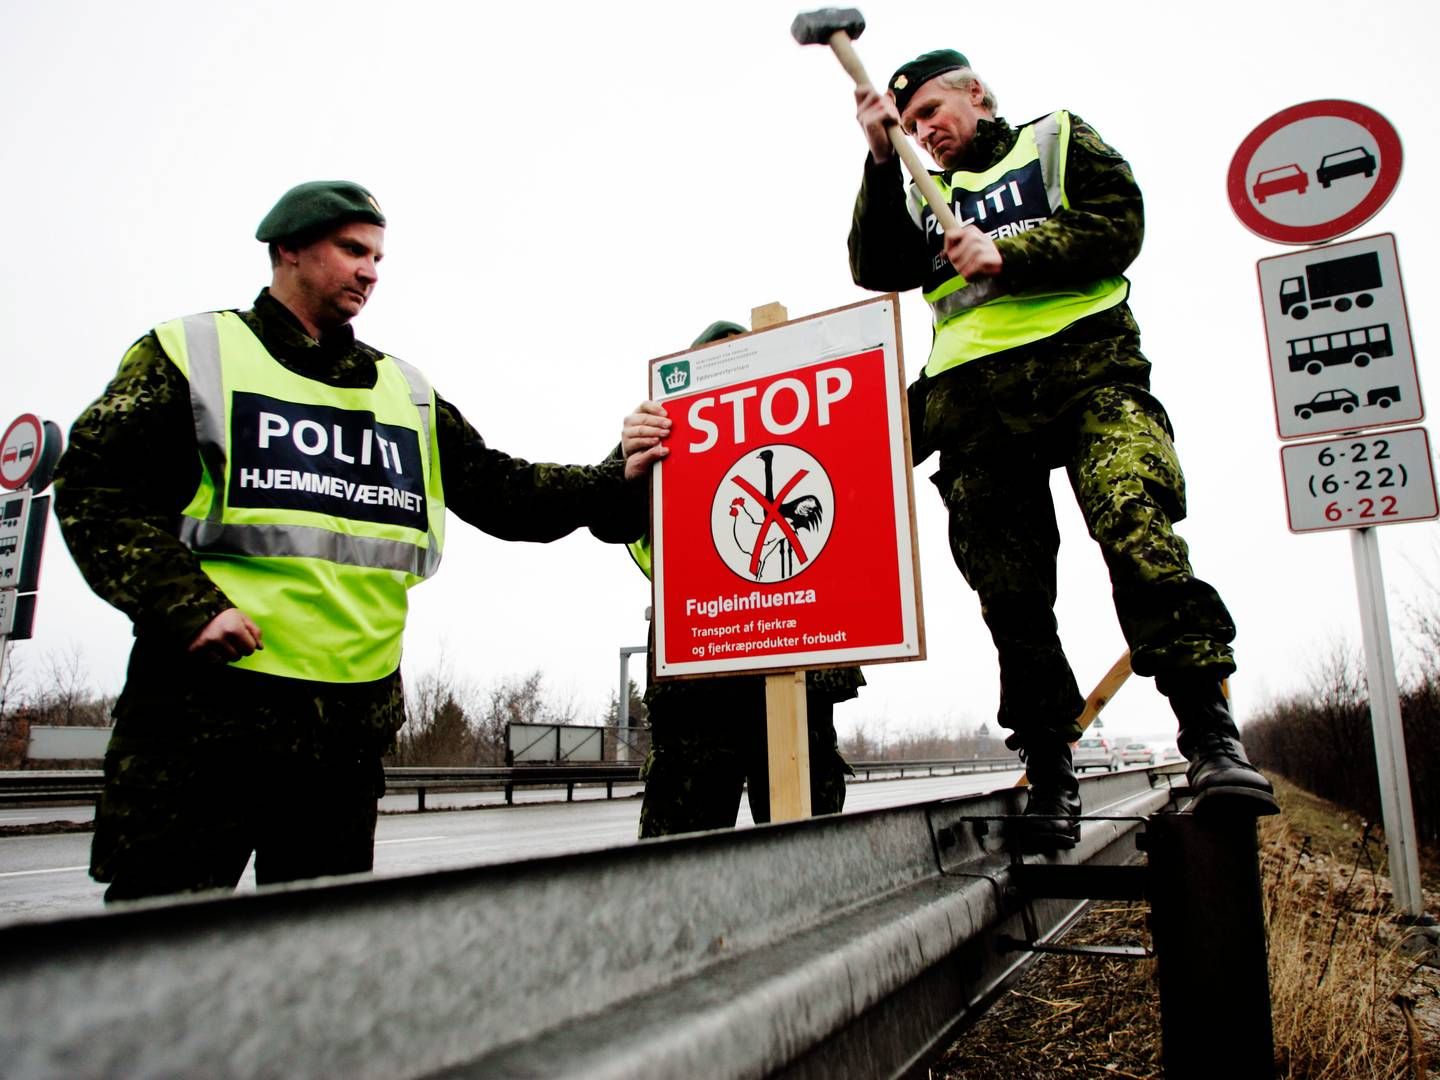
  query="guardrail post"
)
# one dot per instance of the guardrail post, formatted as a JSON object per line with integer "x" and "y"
{"x": 570, "y": 791}
{"x": 421, "y": 802}
{"x": 1208, "y": 923}
{"x": 509, "y": 794}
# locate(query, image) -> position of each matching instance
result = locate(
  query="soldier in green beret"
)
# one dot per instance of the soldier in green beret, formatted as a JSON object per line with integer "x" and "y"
{"x": 1036, "y": 365}
{"x": 295, "y": 486}
{"x": 708, "y": 737}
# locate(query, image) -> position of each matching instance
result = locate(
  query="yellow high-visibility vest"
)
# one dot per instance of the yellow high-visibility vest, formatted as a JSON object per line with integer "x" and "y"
{"x": 1022, "y": 190}
{"x": 318, "y": 506}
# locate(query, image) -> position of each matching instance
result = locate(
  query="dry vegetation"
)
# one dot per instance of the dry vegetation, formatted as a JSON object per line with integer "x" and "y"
{"x": 1347, "y": 1000}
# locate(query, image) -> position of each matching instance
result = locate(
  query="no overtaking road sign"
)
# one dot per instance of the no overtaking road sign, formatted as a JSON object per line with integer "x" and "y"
{"x": 1314, "y": 171}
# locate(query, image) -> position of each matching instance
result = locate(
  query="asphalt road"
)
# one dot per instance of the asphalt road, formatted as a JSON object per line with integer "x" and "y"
{"x": 46, "y": 875}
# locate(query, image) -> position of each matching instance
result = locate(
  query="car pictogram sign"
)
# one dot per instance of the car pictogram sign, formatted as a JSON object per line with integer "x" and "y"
{"x": 782, "y": 518}
{"x": 1314, "y": 172}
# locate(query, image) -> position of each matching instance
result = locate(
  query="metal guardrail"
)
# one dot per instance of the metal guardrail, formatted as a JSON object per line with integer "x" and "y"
{"x": 845, "y": 946}
{"x": 421, "y": 779}
{"x": 83, "y": 785}
{"x": 948, "y": 766}
{"x": 72, "y": 785}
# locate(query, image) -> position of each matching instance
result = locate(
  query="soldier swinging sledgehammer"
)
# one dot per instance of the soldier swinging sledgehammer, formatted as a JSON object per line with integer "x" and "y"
{"x": 1020, "y": 248}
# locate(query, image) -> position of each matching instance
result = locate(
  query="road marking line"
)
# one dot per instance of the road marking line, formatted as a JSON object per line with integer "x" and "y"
{"x": 52, "y": 870}
{"x": 410, "y": 840}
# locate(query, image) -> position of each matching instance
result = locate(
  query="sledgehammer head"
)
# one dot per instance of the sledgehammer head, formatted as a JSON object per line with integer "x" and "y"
{"x": 818, "y": 27}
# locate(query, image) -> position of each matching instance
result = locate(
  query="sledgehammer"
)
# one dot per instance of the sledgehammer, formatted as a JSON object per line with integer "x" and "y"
{"x": 837, "y": 27}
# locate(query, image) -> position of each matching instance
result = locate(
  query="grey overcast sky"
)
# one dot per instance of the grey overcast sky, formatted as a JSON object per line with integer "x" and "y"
{"x": 574, "y": 189}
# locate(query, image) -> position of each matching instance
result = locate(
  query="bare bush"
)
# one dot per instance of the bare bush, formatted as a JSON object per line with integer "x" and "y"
{"x": 66, "y": 697}
{"x": 1324, "y": 741}
{"x": 450, "y": 722}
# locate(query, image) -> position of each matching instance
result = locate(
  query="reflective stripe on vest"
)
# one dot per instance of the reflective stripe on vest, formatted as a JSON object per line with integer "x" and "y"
{"x": 1021, "y": 191}
{"x": 640, "y": 553}
{"x": 318, "y": 506}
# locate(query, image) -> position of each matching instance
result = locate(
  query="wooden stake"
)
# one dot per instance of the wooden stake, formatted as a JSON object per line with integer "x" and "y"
{"x": 788, "y": 734}
{"x": 1104, "y": 690}
{"x": 787, "y": 727}
{"x": 772, "y": 314}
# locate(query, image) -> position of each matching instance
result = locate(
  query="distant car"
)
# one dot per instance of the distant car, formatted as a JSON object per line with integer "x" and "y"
{"x": 1137, "y": 753}
{"x": 1171, "y": 753}
{"x": 1327, "y": 401}
{"x": 1275, "y": 181}
{"x": 1095, "y": 752}
{"x": 1344, "y": 163}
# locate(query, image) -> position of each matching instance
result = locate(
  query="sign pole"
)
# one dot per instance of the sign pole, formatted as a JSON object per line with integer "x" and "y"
{"x": 786, "y": 711}
{"x": 4, "y": 659}
{"x": 1394, "y": 772}
{"x": 1323, "y": 382}
{"x": 625, "y": 751}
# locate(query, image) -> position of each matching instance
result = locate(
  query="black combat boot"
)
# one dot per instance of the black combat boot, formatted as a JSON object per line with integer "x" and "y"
{"x": 1052, "y": 811}
{"x": 1220, "y": 774}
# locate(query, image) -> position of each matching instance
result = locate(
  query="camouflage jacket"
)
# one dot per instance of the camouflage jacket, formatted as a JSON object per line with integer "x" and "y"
{"x": 1097, "y": 235}
{"x": 120, "y": 517}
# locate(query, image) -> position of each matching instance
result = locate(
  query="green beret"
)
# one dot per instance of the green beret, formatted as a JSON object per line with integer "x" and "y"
{"x": 717, "y": 330}
{"x": 314, "y": 205}
{"x": 910, "y": 77}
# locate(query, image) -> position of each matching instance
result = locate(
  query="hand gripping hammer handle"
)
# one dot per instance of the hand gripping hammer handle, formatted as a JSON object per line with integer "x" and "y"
{"x": 850, "y": 61}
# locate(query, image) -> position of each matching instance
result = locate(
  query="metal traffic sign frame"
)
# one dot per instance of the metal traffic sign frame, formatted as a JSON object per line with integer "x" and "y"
{"x": 1338, "y": 333}
{"x": 1314, "y": 171}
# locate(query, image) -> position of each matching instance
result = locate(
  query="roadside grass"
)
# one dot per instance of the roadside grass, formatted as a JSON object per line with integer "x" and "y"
{"x": 1346, "y": 1002}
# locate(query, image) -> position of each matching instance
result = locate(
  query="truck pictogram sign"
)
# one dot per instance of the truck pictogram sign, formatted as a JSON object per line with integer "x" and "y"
{"x": 1339, "y": 283}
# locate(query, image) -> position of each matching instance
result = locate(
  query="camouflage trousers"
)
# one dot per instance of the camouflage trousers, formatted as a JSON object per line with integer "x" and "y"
{"x": 1115, "y": 444}
{"x": 209, "y": 765}
{"x": 173, "y": 823}
{"x": 708, "y": 743}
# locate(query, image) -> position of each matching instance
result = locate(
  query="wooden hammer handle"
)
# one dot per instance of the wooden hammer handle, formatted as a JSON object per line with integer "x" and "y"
{"x": 850, "y": 61}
